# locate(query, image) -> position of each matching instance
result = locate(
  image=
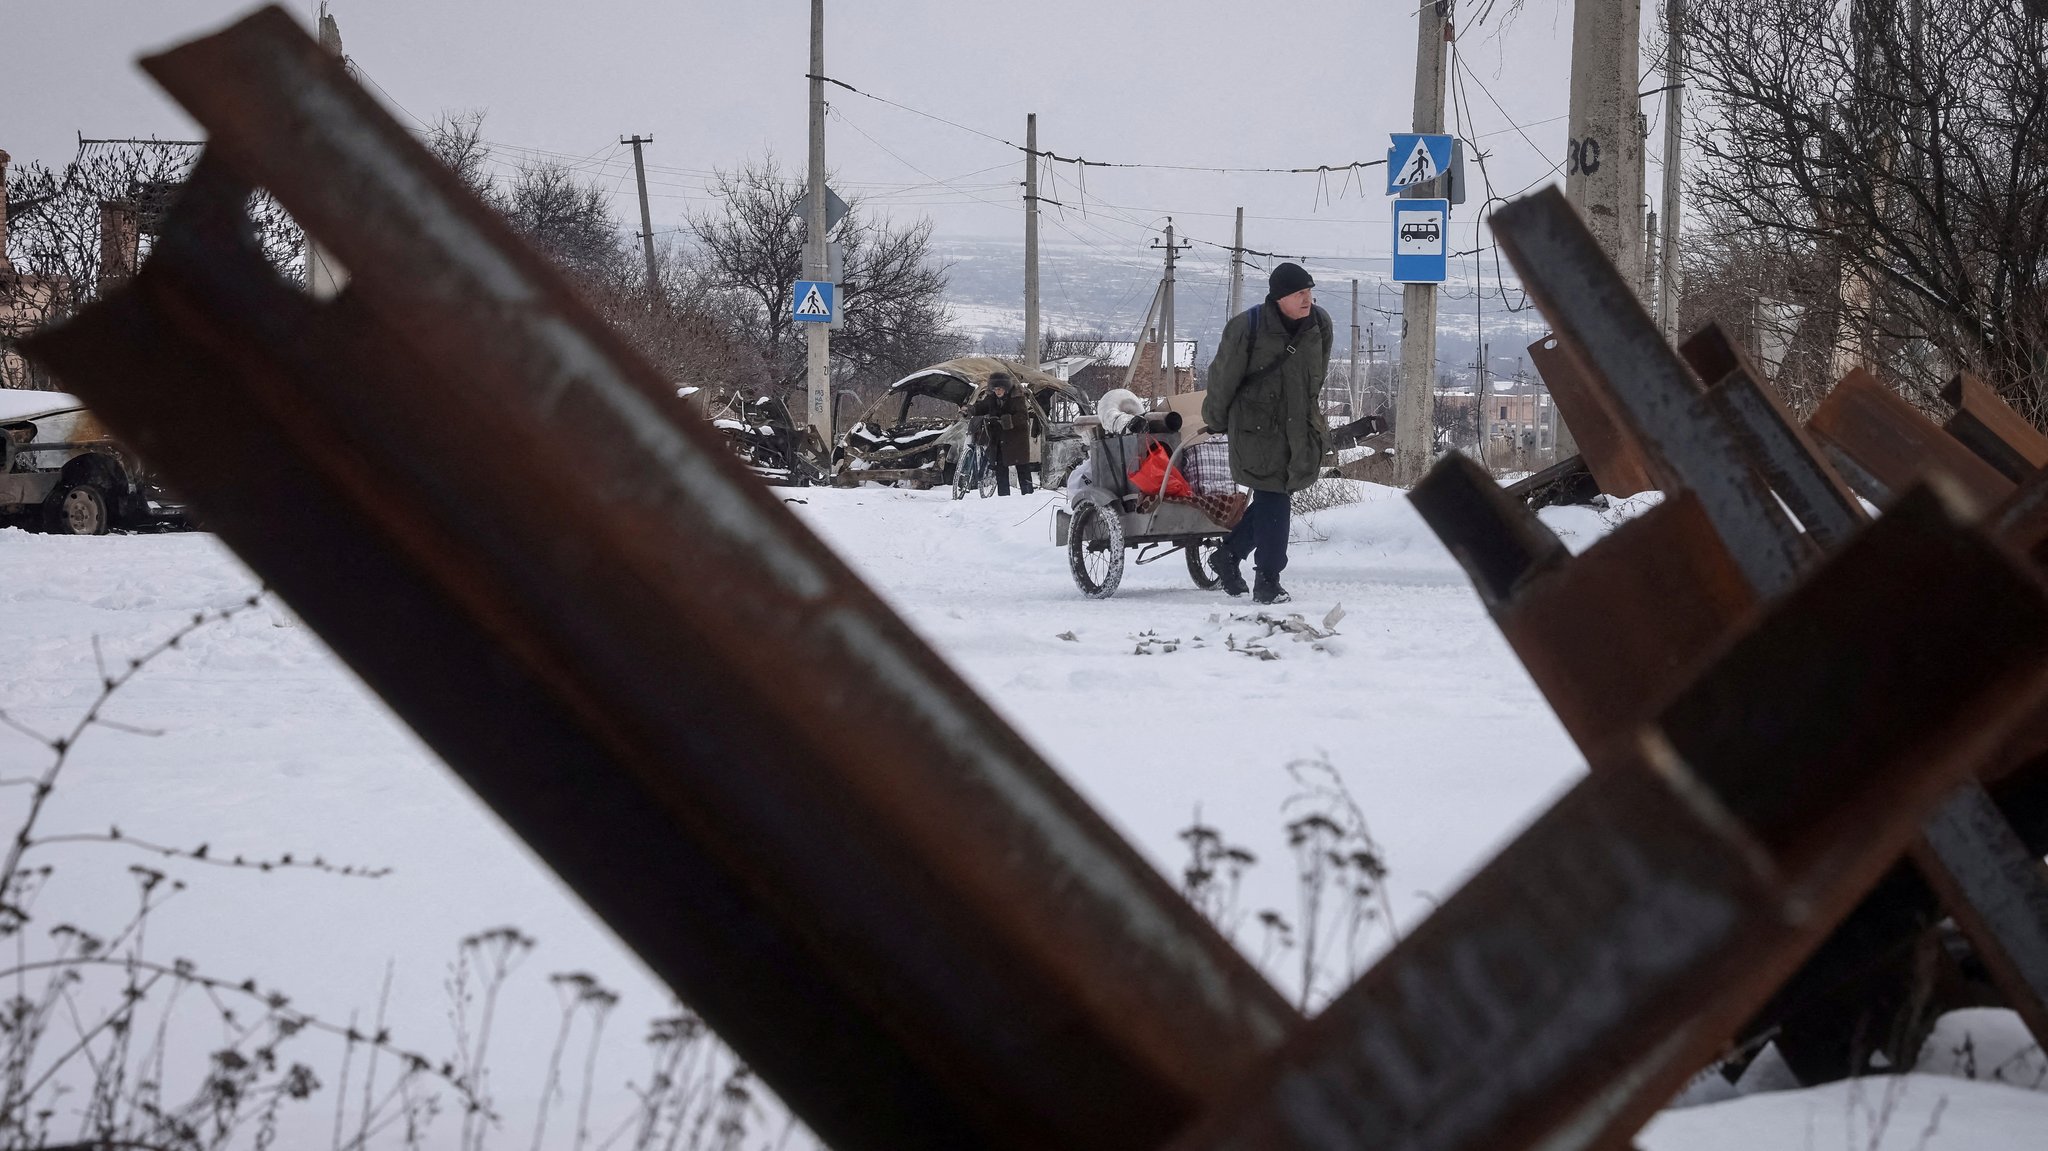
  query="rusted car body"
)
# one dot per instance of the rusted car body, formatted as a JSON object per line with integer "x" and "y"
{"x": 60, "y": 471}
{"x": 914, "y": 433}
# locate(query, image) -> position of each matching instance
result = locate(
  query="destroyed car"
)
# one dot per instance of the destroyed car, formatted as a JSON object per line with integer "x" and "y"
{"x": 60, "y": 472}
{"x": 915, "y": 434}
{"x": 766, "y": 437}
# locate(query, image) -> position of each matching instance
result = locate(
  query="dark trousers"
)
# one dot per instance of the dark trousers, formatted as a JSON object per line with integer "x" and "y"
{"x": 1263, "y": 530}
{"x": 1003, "y": 478}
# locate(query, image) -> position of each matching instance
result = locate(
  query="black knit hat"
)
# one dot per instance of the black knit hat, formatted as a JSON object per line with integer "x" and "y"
{"x": 1288, "y": 279}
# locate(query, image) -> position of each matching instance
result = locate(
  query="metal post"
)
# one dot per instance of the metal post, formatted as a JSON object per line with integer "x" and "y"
{"x": 324, "y": 278}
{"x": 1479, "y": 365}
{"x": 1674, "y": 166}
{"x": 1237, "y": 269}
{"x": 1414, "y": 431}
{"x": 819, "y": 335}
{"x": 1353, "y": 392}
{"x": 646, "y": 223}
{"x": 1031, "y": 240}
{"x": 1169, "y": 362}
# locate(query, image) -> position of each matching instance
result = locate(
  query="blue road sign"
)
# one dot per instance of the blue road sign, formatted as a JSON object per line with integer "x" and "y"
{"x": 1416, "y": 159}
{"x": 812, "y": 301}
{"x": 1422, "y": 231}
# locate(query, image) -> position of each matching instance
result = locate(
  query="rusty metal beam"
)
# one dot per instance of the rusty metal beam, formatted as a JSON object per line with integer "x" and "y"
{"x": 1726, "y": 445}
{"x": 1497, "y": 540}
{"x": 1883, "y": 445}
{"x": 2001, "y": 893}
{"x": 1610, "y": 634}
{"x": 1651, "y": 391}
{"x": 1988, "y": 426}
{"x": 1775, "y": 443}
{"x": 1619, "y": 465}
{"x": 755, "y": 773}
{"x": 1560, "y": 997}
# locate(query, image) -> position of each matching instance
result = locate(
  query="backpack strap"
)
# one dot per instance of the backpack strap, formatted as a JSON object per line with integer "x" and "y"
{"x": 1251, "y": 341}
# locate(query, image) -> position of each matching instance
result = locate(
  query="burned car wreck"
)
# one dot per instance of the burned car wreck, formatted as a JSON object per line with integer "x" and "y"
{"x": 62, "y": 473}
{"x": 914, "y": 433}
{"x": 764, "y": 434}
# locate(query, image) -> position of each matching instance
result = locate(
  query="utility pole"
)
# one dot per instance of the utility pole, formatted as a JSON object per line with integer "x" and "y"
{"x": 1479, "y": 381}
{"x": 1372, "y": 348}
{"x": 1674, "y": 165}
{"x": 819, "y": 336}
{"x": 646, "y": 222}
{"x": 1236, "y": 270}
{"x": 1651, "y": 264}
{"x": 324, "y": 278}
{"x": 1356, "y": 390}
{"x": 1414, "y": 431}
{"x": 1604, "y": 151}
{"x": 1168, "y": 357}
{"x": 1031, "y": 240}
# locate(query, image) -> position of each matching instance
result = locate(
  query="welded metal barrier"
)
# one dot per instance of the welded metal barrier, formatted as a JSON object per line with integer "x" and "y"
{"x": 817, "y": 834}
{"x": 1724, "y": 446}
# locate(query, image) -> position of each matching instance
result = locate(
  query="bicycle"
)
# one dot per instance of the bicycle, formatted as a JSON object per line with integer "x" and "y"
{"x": 973, "y": 471}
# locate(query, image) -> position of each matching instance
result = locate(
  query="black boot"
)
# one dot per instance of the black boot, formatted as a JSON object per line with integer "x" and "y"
{"x": 1269, "y": 589}
{"x": 1227, "y": 567}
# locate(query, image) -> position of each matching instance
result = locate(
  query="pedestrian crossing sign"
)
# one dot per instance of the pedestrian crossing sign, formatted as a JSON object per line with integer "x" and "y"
{"x": 1416, "y": 158}
{"x": 813, "y": 301}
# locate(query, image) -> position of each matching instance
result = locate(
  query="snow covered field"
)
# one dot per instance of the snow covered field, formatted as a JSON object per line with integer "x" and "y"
{"x": 269, "y": 746}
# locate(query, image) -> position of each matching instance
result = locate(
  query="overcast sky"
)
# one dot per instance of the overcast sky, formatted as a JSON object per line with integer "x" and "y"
{"x": 1229, "y": 83}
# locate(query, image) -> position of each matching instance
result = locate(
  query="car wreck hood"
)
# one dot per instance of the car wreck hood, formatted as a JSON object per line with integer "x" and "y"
{"x": 17, "y": 405}
{"x": 881, "y": 439}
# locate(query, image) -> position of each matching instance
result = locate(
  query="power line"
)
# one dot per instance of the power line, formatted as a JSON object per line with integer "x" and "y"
{"x": 1081, "y": 162}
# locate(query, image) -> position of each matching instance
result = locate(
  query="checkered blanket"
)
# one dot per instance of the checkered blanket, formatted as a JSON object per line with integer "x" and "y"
{"x": 1207, "y": 466}
{"x": 1224, "y": 509}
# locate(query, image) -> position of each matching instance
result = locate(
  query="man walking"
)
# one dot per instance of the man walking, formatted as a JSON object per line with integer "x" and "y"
{"x": 1266, "y": 391}
{"x": 1010, "y": 419}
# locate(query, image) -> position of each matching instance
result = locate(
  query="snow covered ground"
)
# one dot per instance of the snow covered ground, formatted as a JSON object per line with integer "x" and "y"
{"x": 1148, "y": 702}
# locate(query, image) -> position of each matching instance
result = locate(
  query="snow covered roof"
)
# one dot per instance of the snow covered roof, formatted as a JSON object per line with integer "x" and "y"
{"x": 1119, "y": 353}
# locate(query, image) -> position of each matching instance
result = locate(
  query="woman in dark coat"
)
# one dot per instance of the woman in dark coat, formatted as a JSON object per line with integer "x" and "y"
{"x": 1010, "y": 420}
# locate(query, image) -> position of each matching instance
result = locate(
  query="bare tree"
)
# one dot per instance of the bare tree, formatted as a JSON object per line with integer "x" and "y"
{"x": 1882, "y": 167}
{"x": 108, "y": 203}
{"x": 569, "y": 219}
{"x": 457, "y": 139}
{"x": 752, "y": 248}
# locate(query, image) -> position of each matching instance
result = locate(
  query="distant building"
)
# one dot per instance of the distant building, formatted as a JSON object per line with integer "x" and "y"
{"x": 1105, "y": 368}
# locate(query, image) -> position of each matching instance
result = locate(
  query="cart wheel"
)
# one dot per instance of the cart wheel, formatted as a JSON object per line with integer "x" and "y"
{"x": 1202, "y": 563}
{"x": 1095, "y": 550}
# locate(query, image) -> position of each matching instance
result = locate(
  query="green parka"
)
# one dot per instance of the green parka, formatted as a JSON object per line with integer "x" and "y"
{"x": 1277, "y": 431}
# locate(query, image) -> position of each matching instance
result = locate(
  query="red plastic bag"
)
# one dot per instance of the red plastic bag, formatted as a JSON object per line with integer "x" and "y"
{"x": 1146, "y": 478}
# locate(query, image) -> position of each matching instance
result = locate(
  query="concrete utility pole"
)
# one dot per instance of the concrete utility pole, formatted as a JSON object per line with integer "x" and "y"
{"x": 324, "y": 277}
{"x": 1031, "y": 240}
{"x": 646, "y": 223}
{"x": 1169, "y": 360}
{"x": 1604, "y": 156}
{"x": 1236, "y": 270}
{"x": 1414, "y": 431}
{"x": 1356, "y": 390}
{"x": 1480, "y": 384}
{"x": 818, "y": 335}
{"x": 1604, "y": 152}
{"x": 1372, "y": 349}
{"x": 1674, "y": 166}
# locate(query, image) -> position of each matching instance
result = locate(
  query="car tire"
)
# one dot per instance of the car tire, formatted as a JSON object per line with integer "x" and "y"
{"x": 80, "y": 509}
